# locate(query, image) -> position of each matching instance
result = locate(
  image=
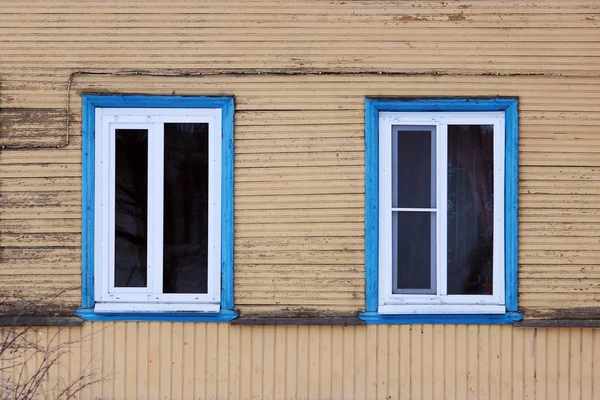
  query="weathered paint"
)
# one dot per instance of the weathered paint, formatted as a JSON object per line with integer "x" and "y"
{"x": 199, "y": 361}
{"x": 299, "y": 189}
{"x": 299, "y": 72}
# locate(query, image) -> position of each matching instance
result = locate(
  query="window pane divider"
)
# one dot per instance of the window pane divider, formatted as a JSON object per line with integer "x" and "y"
{"x": 442, "y": 215}
{"x": 155, "y": 208}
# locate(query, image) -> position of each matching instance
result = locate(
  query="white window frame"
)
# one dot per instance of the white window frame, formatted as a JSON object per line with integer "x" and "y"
{"x": 151, "y": 299}
{"x": 441, "y": 302}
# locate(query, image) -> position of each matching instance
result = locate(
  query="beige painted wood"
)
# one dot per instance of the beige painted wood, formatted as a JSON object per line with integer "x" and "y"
{"x": 299, "y": 147}
{"x": 197, "y": 361}
{"x": 299, "y": 206}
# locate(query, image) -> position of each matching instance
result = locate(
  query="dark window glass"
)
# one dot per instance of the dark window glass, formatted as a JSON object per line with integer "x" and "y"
{"x": 185, "y": 251}
{"x": 413, "y": 254}
{"x": 413, "y": 168}
{"x": 131, "y": 207}
{"x": 470, "y": 209}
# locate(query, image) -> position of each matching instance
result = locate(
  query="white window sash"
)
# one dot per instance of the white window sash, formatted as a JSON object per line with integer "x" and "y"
{"x": 151, "y": 298}
{"x": 390, "y": 302}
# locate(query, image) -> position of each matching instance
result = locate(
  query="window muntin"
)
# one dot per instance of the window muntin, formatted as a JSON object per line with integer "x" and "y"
{"x": 417, "y": 236}
{"x": 191, "y": 161}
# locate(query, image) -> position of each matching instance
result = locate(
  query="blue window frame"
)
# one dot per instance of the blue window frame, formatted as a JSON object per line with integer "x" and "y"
{"x": 221, "y": 309}
{"x": 377, "y": 110}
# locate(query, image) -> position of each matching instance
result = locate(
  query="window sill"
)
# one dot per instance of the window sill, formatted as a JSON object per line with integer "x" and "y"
{"x": 448, "y": 319}
{"x": 88, "y": 314}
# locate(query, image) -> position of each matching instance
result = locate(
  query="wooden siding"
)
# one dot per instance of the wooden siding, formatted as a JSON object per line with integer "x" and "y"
{"x": 221, "y": 361}
{"x": 299, "y": 72}
{"x": 299, "y": 187}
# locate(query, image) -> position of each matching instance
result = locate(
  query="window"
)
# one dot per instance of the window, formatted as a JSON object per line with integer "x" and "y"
{"x": 441, "y": 210}
{"x": 158, "y": 187}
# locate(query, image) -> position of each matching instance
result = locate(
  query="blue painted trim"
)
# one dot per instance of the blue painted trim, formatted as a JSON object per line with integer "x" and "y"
{"x": 498, "y": 104}
{"x": 511, "y": 205}
{"x": 89, "y": 104}
{"x": 87, "y": 218}
{"x": 372, "y": 318}
{"x": 223, "y": 316}
{"x": 227, "y": 206}
{"x": 371, "y": 205}
{"x": 142, "y": 101}
{"x": 372, "y": 108}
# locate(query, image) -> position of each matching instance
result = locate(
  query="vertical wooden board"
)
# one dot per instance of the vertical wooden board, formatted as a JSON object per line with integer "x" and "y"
{"x": 506, "y": 369}
{"x": 382, "y": 369}
{"x": 483, "y": 362}
{"x": 76, "y": 369}
{"x": 336, "y": 356}
{"x": 256, "y": 355}
{"x": 154, "y": 360}
{"x": 55, "y": 336}
{"x": 371, "y": 362}
{"x": 200, "y": 367}
{"x": 165, "y": 359}
{"x": 394, "y": 362}
{"x": 268, "y": 362}
{"x": 472, "y": 360}
{"x": 350, "y": 367}
{"x": 596, "y": 363}
{"x": 222, "y": 362}
{"x": 120, "y": 349}
{"x": 587, "y": 380}
{"x": 405, "y": 363}
{"x": 131, "y": 367}
{"x": 291, "y": 365}
{"x": 462, "y": 344}
{"x": 142, "y": 359}
{"x": 437, "y": 360}
{"x": 325, "y": 351}
{"x": 234, "y": 361}
{"x": 517, "y": 364}
{"x": 314, "y": 362}
{"x": 246, "y": 363}
{"x": 302, "y": 360}
{"x": 96, "y": 350}
{"x": 177, "y": 365}
{"x": 212, "y": 344}
{"x": 541, "y": 363}
{"x": 280, "y": 360}
{"x": 564, "y": 352}
{"x": 575, "y": 352}
{"x": 552, "y": 364}
{"x": 427, "y": 360}
{"x": 495, "y": 361}
{"x": 450, "y": 361}
{"x": 360, "y": 357}
{"x": 108, "y": 357}
{"x": 416, "y": 366}
{"x": 188, "y": 348}
{"x": 529, "y": 372}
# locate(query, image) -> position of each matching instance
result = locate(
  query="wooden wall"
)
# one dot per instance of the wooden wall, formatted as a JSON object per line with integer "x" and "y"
{"x": 222, "y": 361}
{"x": 299, "y": 72}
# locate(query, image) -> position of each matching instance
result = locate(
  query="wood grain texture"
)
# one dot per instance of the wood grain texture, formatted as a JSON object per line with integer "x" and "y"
{"x": 186, "y": 360}
{"x": 300, "y": 72}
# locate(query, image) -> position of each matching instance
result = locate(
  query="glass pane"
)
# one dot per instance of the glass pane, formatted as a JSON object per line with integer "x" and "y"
{"x": 185, "y": 251}
{"x": 470, "y": 209}
{"x": 413, "y": 254}
{"x": 131, "y": 207}
{"x": 413, "y": 167}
